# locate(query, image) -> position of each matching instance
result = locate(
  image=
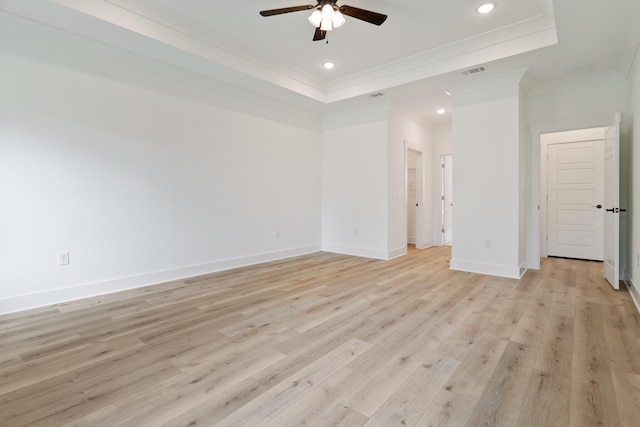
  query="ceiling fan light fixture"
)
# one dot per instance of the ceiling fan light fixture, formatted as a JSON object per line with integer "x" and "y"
{"x": 327, "y": 16}
{"x": 316, "y": 18}
{"x": 338, "y": 19}
{"x": 327, "y": 12}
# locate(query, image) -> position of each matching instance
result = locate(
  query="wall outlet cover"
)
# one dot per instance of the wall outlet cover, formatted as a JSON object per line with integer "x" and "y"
{"x": 63, "y": 258}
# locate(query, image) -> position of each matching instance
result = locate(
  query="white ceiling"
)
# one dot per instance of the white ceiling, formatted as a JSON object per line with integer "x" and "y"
{"x": 421, "y": 48}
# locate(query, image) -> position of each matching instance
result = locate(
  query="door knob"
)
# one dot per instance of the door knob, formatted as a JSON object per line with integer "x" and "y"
{"x": 611, "y": 210}
{"x": 597, "y": 206}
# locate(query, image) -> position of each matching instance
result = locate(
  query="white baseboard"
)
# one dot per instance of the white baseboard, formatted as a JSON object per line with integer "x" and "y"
{"x": 635, "y": 294}
{"x": 55, "y": 296}
{"x": 522, "y": 269}
{"x": 395, "y": 253}
{"x": 355, "y": 251}
{"x": 511, "y": 272}
{"x": 428, "y": 244}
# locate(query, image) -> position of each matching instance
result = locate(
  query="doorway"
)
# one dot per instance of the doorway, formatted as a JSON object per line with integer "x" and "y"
{"x": 411, "y": 197}
{"x": 414, "y": 198}
{"x": 572, "y": 211}
{"x": 446, "y": 199}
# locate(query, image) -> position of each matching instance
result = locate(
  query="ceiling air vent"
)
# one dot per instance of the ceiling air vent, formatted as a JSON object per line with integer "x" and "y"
{"x": 375, "y": 95}
{"x": 474, "y": 70}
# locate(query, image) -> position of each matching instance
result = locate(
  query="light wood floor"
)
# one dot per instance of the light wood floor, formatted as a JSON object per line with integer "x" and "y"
{"x": 328, "y": 340}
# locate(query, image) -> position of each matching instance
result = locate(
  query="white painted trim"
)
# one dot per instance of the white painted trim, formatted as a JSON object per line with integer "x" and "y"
{"x": 428, "y": 244}
{"x": 482, "y": 84}
{"x": 528, "y": 35}
{"x": 157, "y": 23}
{"x": 564, "y": 137}
{"x": 55, "y": 296}
{"x": 411, "y": 240}
{"x": 355, "y": 251}
{"x": 395, "y": 253}
{"x": 523, "y": 269}
{"x": 635, "y": 295}
{"x": 142, "y": 20}
{"x": 578, "y": 135}
{"x": 420, "y": 223}
{"x": 533, "y": 236}
{"x": 487, "y": 269}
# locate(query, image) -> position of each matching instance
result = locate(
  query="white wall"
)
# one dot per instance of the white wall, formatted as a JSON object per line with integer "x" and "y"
{"x": 631, "y": 165}
{"x": 140, "y": 186}
{"x": 354, "y": 186}
{"x": 363, "y": 182}
{"x": 486, "y": 136}
{"x": 577, "y": 105}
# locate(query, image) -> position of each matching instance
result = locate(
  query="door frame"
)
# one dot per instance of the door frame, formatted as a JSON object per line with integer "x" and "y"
{"x": 534, "y": 186}
{"x": 582, "y": 135}
{"x": 442, "y": 196}
{"x": 419, "y": 226}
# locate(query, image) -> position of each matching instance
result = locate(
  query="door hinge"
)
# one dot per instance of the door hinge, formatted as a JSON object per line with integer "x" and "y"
{"x": 442, "y": 166}
{"x": 443, "y": 230}
{"x": 442, "y": 198}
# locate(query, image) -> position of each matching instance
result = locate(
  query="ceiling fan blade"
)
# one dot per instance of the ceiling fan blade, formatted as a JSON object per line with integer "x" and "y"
{"x": 319, "y": 34}
{"x": 364, "y": 15}
{"x": 285, "y": 10}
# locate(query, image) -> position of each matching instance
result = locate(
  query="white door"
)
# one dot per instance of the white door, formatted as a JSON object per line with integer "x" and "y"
{"x": 612, "y": 204}
{"x": 411, "y": 203}
{"x": 419, "y": 201}
{"x": 575, "y": 189}
{"x": 447, "y": 199}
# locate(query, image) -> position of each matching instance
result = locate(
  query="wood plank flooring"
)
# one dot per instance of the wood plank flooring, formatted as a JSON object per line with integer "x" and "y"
{"x": 332, "y": 340}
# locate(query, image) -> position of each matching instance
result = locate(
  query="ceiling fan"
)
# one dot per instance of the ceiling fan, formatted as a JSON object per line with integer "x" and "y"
{"x": 327, "y": 15}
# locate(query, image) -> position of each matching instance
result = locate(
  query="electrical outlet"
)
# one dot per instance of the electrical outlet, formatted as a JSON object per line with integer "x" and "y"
{"x": 63, "y": 258}
{"x": 277, "y": 234}
{"x": 488, "y": 244}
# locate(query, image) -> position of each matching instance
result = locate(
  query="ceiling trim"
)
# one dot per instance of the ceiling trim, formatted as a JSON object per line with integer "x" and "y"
{"x": 134, "y": 18}
{"x": 493, "y": 82}
{"x": 486, "y": 48}
{"x": 154, "y": 22}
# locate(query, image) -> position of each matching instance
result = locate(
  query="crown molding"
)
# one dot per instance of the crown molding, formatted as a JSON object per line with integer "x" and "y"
{"x": 482, "y": 84}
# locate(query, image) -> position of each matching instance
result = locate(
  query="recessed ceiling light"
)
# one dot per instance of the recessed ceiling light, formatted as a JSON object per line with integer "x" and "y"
{"x": 329, "y": 65}
{"x": 441, "y": 111}
{"x": 486, "y": 8}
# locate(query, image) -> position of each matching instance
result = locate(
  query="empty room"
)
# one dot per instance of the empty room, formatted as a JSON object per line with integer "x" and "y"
{"x": 335, "y": 213}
